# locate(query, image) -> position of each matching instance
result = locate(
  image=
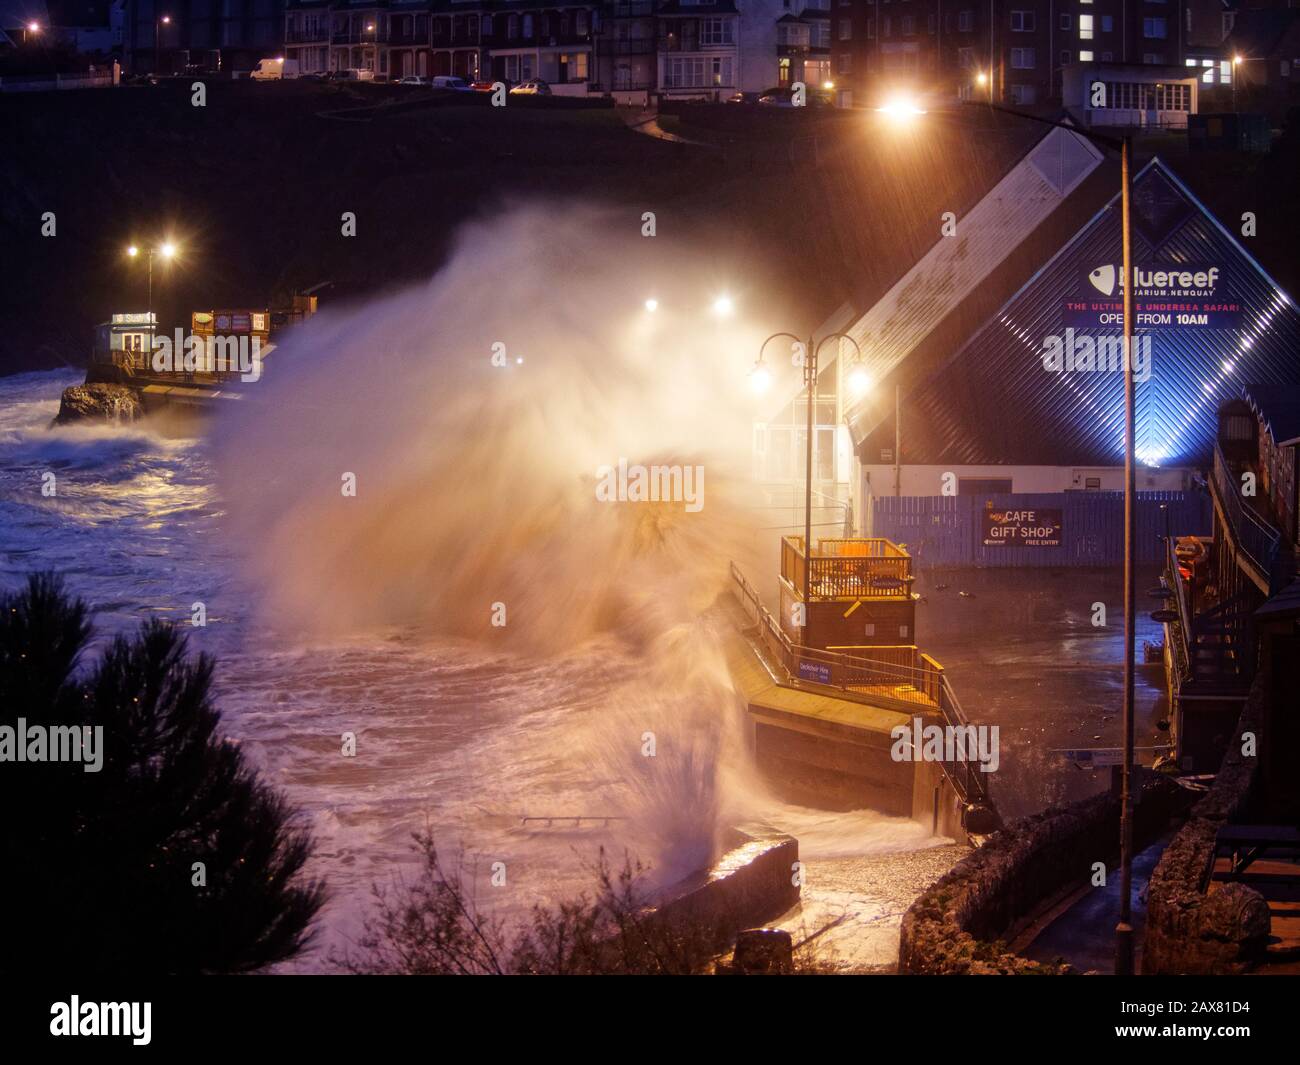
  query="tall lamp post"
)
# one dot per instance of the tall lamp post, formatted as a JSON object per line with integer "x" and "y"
{"x": 168, "y": 251}
{"x": 811, "y": 350}
{"x": 159, "y": 23}
{"x": 1124, "y": 926}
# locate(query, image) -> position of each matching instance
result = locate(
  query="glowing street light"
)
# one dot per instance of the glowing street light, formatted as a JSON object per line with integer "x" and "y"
{"x": 168, "y": 251}
{"x": 723, "y": 306}
{"x": 859, "y": 380}
{"x": 159, "y": 23}
{"x": 759, "y": 375}
{"x": 652, "y": 305}
{"x": 759, "y": 378}
{"x": 901, "y": 109}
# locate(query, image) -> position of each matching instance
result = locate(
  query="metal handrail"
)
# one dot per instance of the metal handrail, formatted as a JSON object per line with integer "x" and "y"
{"x": 846, "y": 568}
{"x": 929, "y": 680}
{"x": 1256, "y": 539}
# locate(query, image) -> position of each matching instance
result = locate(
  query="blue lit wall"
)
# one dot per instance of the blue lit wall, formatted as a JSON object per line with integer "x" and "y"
{"x": 994, "y": 402}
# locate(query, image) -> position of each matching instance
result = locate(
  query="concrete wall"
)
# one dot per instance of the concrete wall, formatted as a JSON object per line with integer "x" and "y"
{"x": 1188, "y": 931}
{"x": 754, "y": 882}
{"x": 928, "y": 480}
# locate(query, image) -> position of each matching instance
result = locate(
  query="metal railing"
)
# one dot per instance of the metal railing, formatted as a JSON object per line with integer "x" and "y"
{"x": 1183, "y": 639}
{"x": 902, "y": 667}
{"x": 1255, "y": 538}
{"x": 848, "y": 569}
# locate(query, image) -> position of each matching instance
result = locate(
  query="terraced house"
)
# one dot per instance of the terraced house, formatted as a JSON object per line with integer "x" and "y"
{"x": 705, "y": 49}
{"x": 1014, "y": 50}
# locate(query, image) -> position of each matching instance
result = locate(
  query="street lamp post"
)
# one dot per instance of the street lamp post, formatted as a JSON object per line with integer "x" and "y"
{"x": 167, "y": 251}
{"x": 1124, "y": 926}
{"x": 810, "y": 353}
{"x": 159, "y": 23}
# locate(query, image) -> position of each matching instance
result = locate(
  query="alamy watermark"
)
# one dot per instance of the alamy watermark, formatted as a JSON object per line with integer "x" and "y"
{"x": 75, "y": 1017}
{"x": 634, "y": 483}
{"x": 919, "y": 742}
{"x": 1102, "y": 354}
{"x": 53, "y": 743}
{"x": 208, "y": 354}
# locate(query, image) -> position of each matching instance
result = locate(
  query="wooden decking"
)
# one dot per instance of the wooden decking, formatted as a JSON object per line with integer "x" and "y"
{"x": 1266, "y": 858}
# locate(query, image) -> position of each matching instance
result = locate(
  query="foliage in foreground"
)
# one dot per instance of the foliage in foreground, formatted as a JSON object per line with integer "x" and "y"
{"x": 98, "y": 868}
{"x": 435, "y": 926}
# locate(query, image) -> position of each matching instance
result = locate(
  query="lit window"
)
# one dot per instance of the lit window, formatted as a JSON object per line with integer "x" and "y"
{"x": 1085, "y": 27}
{"x": 1085, "y": 57}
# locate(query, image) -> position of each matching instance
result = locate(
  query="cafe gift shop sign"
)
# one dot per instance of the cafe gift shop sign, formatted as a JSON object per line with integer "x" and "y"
{"x": 1039, "y": 527}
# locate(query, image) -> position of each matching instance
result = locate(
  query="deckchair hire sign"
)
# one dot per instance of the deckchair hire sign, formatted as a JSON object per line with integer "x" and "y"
{"x": 1027, "y": 527}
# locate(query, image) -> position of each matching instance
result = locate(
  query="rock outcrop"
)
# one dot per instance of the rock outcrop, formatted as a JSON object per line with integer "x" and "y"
{"x": 102, "y": 402}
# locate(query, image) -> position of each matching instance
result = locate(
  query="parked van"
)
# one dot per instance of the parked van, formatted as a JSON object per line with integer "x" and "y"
{"x": 353, "y": 74}
{"x": 275, "y": 69}
{"x": 450, "y": 81}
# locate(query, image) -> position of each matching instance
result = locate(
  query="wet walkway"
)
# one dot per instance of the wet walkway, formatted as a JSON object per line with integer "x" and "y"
{"x": 1081, "y": 930}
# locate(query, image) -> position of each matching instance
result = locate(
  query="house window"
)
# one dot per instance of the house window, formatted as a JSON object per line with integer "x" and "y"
{"x": 1085, "y": 57}
{"x": 1106, "y": 57}
{"x": 716, "y": 31}
{"x": 965, "y": 21}
{"x": 487, "y": 25}
{"x": 846, "y": 29}
{"x": 965, "y": 58}
{"x": 1107, "y": 24}
{"x": 930, "y": 24}
{"x": 908, "y": 25}
{"x": 1154, "y": 59}
{"x": 1085, "y": 27}
{"x": 1022, "y": 22}
{"x": 844, "y": 63}
{"x": 1065, "y": 22}
{"x": 1155, "y": 28}
{"x": 1023, "y": 59}
{"x": 888, "y": 29}
{"x": 528, "y": 26}
{"x": 1023, "y": 95}
{"x": 1065, "y": 58}
{"x": 696, "y": 72}
{"x": 821, "y": 34}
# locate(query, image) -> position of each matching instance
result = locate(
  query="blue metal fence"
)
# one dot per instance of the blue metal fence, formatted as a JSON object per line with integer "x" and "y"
{"x": 947, "y": 530}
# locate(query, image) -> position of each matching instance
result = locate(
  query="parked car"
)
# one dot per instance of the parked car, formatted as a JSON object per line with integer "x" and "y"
{"x": 488, "y": 86}
{"x": 451, "y": 82}
{"x": 533, "y": 87}
{"x": 353, "y": 74}
{"x": 743, "y": 98}
{"x": 314, "y": 75}
{"x": 275, "y": 69}
{"x": 413, "y": 79}
{"x": 776, "y": 98}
